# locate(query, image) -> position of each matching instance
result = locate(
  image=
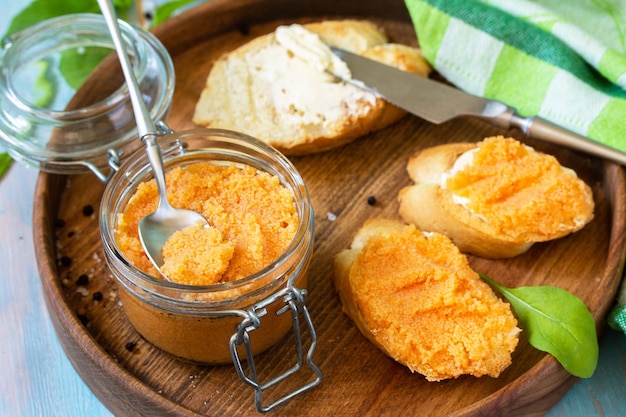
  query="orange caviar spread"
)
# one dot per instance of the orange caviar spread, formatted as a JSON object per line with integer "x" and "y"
{"x": 428, "y": 309}
{"x": 520, "y": 192}
{"x": 252, "y": 216}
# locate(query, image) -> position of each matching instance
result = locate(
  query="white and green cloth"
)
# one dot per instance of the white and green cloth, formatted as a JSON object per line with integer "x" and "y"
{"x": 562, "y": 60}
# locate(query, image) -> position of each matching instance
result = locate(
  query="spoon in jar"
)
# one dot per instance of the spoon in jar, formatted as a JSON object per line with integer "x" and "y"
{"x": 157, "y": 227}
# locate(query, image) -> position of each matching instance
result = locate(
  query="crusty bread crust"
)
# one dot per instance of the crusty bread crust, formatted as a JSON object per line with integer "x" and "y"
{"x": 432, "y": 208}
{"x": 429, "y": 205}
{"x": 341, "y": 277}
{"x": 236, "y": 98}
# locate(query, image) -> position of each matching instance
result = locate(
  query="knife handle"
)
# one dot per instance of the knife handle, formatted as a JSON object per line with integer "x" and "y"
{"x": 539, "y": 128}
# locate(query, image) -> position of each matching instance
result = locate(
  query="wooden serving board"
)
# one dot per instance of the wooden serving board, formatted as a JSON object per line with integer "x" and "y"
{"x": 133, "y": 378}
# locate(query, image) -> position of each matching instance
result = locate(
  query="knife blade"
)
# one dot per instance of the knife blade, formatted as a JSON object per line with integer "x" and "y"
{"x": 438, "y": 103}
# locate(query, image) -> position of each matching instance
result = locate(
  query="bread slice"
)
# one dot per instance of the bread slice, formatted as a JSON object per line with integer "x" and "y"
{"x": 267, "y": 92}
{"x": 495, "y": 198}
{"x": 416, "y": 298}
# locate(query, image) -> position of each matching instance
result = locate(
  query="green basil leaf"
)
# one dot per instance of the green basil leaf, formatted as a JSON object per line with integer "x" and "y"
{"x": 165, "y": 10}
{"x": 557, "y": 322}
{"x": 5, "y": 163}
{"x": 43, "y": 86}
{"x": 122, "y": 4}
{"x": 76, "y": 65}
{"x": 39, "y": 10}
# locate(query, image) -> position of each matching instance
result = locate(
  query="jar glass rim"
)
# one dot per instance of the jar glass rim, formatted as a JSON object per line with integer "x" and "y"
{"x": 97, "y": 107}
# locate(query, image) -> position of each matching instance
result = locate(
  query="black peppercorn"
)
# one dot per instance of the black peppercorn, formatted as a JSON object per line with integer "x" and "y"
{"x": 83, "y": 279}
{"x": 88, "y": 210}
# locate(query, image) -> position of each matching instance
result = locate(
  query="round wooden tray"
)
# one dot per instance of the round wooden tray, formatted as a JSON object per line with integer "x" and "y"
{"x": 132, "y": 377}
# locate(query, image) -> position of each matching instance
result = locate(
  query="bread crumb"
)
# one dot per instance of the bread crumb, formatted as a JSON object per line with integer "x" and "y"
{"x": 82, "y": 291}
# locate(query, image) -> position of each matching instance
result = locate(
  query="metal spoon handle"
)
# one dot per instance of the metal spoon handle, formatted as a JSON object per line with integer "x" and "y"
{"x": 145, "y": 125}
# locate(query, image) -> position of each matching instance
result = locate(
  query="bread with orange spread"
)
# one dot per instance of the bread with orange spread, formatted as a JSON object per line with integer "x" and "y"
{"x": 416, "y": 298}
{"x": 266, "y": 91}
{"x": 495, "y": 198}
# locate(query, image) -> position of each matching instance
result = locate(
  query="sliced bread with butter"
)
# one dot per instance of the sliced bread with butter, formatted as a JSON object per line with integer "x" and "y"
{"x": 268, "y": 92}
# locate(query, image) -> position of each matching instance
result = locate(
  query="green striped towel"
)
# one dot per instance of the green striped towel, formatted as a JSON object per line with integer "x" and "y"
{"x": 564, "y": 61}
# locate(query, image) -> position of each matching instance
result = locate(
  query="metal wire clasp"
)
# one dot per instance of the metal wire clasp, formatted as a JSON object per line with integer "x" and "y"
{"x": 115, "y": 156}
{"x": 295, "y": 303}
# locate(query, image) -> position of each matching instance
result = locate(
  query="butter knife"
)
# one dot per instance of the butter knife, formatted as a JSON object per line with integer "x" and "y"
{"x": 437, "y": 103}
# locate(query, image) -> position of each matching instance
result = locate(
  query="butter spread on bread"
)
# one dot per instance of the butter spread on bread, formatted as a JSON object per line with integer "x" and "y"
{"x": 265, "y": 90}
{"x": 494, "y": 198}
{"x": 309, "y": 47}
{"x": 416, "y": 298}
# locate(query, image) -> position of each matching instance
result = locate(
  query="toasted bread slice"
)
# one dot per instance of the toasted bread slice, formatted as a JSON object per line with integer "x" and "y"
{"x": 416, "y": 298}
{"x": 265, "y": 91}
{"x": 495, "y": 198}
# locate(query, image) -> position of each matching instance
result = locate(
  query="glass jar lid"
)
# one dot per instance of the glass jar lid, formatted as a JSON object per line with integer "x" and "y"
{"x": 49, "y": 119}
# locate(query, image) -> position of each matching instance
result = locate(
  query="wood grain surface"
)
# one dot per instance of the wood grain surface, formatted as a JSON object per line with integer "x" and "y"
{"x": 133, "y": 377}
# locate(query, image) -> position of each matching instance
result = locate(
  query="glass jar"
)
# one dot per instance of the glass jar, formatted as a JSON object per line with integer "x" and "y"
{"x": 214, "y": 324}
{"x": 73, "y": 130}
{"x": 41, "y": 125}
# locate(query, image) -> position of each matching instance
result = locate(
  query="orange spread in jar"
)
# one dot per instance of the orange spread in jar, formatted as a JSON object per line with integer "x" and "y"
{"x": 252, "y": 215}
{"x": 519, "y": 191}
